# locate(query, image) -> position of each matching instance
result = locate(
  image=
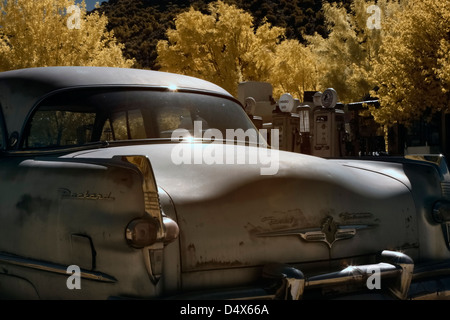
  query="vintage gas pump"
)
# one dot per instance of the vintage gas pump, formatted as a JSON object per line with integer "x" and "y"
{"x": 257, "y": 99}
{"x": 287, "y": 123}
{"x": 329, "y": 127}
{"x": 250, "y": 108}
{"x": 304, "y": 112}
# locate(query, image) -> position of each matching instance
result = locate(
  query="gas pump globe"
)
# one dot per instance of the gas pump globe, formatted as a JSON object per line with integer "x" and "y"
{"x": 287, "y": 123}
{"x": 329, "y": 127}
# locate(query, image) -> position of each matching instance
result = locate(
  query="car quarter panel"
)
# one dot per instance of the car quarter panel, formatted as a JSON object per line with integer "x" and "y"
{"x": 56, "y": 213}
{"x": 426, "y": 180}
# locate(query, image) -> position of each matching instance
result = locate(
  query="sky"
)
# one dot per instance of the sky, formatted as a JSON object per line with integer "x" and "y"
{"x": 90, "y": 4}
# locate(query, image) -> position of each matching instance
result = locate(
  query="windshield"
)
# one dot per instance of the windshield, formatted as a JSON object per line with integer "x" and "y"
{"x": 80, "y": 117}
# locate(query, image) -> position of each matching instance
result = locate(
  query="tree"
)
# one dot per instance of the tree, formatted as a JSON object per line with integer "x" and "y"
{"x": 294, "y": 70}
{"x": 140, "y": 24}
{"x": 297, "y": 17}
{"x": 412, "y": 72}
{"x": 346, "y": 56}
{"x": 55, "y": 33}
{"x": 221, "y": 47}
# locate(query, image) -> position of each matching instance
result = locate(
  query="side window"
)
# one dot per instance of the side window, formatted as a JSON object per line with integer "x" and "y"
{"x": 125, "y": 125}
{"x": 170, "y": 119}
{"x": 60, "y": 128}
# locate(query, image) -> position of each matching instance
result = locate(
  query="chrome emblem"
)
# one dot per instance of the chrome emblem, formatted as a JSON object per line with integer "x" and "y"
{"x": 329, "y": 232}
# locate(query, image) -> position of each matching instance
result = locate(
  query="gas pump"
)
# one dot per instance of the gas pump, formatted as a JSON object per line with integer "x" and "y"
{"x": 287, "y": 123}
{"x": 250, "y": 108}
{"x": 304, "y": 112}
{"x": 329, "y": 127}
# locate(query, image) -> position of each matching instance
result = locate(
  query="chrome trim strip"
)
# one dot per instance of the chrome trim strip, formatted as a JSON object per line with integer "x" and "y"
{"x": 52, "y": 267}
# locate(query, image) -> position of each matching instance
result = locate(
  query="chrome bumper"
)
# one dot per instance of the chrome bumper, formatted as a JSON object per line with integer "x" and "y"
{"x": 393, "y": 277}
{"x": 394, "y": 266}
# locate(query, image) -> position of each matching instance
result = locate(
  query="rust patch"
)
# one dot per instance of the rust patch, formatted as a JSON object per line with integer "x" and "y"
{"x": 409, "y": 222}
{"x": 29, "y": 205}
{"x": 215, "y": 264}
{"x": 121, "y": 178}
{"x": 407, "y": 246}
{"x": 253, "y": 230}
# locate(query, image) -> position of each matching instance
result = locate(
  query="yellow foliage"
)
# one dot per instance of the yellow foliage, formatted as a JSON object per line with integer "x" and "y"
{"x": 345, "y": 58}
{"x": 412, "y": 72}
{"x": 221, "y": 47}
{"x": 45, "y": 33}
{"x": 294, "y": 70}
{"x": 225, "y": 48}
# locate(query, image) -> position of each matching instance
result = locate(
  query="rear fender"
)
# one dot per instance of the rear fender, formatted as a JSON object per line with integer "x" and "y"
{"x": 63, "y": 212}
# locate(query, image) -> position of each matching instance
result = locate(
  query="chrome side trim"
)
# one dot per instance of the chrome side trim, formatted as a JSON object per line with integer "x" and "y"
{"x": 52, "y": 267}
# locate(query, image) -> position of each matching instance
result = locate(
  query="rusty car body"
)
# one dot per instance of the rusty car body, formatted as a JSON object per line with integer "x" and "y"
{"x": 95, "y": 177}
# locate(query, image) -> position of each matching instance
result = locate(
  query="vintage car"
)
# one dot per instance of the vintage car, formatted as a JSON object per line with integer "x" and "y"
{"x": 123, "y": 183}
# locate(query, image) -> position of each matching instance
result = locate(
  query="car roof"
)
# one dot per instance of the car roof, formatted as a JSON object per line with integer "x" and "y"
{"x": 21, "y": 89}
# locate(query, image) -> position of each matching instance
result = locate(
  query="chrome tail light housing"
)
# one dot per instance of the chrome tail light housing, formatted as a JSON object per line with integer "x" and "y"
{"x": 153, "y": 231}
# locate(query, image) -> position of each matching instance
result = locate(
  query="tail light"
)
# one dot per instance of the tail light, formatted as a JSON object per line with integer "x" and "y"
{"x": 141, "y": 233}
{"x": 152, "y": 231}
